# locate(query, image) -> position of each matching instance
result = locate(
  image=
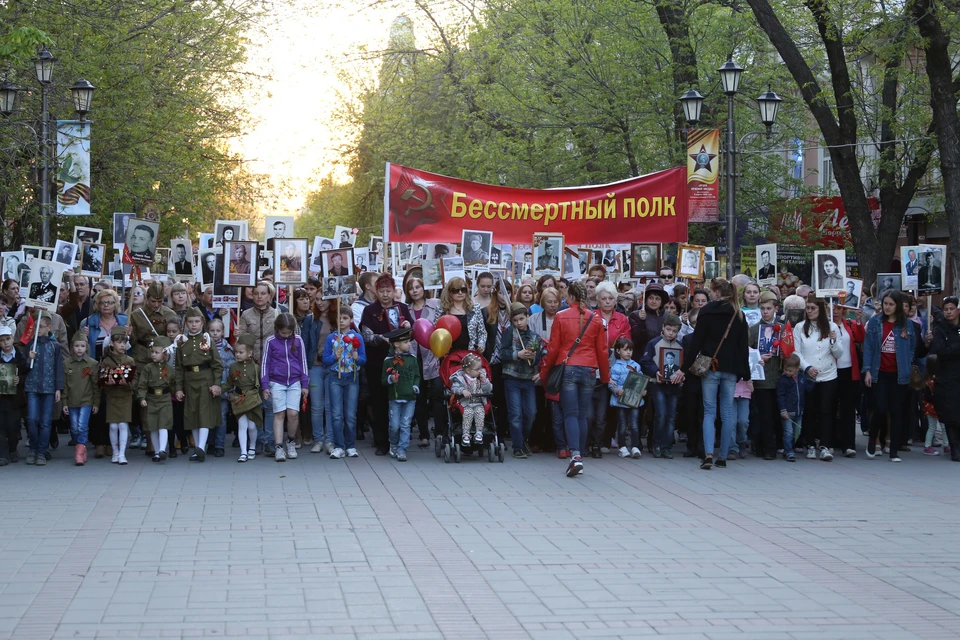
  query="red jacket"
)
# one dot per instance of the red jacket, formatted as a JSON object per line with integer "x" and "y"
{"x": 592, "y": 350}
{"x": 618, "y": 327}
{"x": 857, "y": 332}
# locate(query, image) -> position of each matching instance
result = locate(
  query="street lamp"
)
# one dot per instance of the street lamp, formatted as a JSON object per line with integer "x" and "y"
{"x": 82, "y": 92}
{"x": 768, "y": 104}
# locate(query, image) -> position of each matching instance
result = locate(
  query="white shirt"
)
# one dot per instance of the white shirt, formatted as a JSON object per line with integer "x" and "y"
{"x": 818, "y": 353}
{"x": 843, "y": 339}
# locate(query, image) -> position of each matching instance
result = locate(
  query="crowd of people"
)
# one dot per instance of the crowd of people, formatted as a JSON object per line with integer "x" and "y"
{"x": 166, "y": 373}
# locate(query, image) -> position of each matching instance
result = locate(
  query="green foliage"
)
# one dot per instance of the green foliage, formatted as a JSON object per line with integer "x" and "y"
{"x": 165, "y": 72}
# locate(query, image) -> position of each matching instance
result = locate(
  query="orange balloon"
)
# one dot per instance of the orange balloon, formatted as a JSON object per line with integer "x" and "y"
{"x": 440, "y": 342}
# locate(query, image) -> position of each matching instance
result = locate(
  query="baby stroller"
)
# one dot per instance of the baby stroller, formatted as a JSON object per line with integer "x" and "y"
{"x": 452, "y": 447}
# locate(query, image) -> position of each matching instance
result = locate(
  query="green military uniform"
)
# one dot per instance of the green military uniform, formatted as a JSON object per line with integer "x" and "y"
{"x": 243, "y": 378}
{"x": 119, "y": 395}
{"x": 197, "y": 368}
{"x": 148, "y": 324}
{"x": 80, "y": 377}
{"x": 154, "y": 386}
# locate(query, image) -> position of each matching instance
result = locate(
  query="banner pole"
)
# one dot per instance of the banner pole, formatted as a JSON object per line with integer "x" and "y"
{"x": 386, "y": 210}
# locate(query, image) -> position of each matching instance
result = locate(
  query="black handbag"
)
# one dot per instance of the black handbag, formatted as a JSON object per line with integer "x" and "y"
{"x": 555, "y": 377}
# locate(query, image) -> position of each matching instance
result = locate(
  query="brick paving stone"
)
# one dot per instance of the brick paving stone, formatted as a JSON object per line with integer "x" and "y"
{"x": 370, "y": 549}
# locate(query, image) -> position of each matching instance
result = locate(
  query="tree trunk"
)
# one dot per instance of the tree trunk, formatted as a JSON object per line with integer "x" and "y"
{"x": 943, "y": 101}
{"x": 675, "y": 22}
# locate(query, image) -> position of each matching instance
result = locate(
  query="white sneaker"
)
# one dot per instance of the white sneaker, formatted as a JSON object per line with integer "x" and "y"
{"x": 478, "y": 436}
{"x": 317, "y": 447}
{"x": 116, "y": 457}
{"x": 336, "y": 454}
{"x": 811, "y": 453}
{"x": 329, "y": 446}
{"x": 895, "y": 459}
{"x": 352, "y": 453}
{"x": 251, "y": 454}
{"x": 393, "y": 451}
{"x": 624, "y": 452}
{"x": 635, "y": 453}
{"x": 886, "y": 451}
{"x": 604, "y": 450}
{"x": 825, "y": 454}
{"x": 280, "y": 455}
{"x": 849, "y": 453}
{"x": 242, "y": 458}
{"x": 291, "y": 450}
{"x": 122, "y": 459}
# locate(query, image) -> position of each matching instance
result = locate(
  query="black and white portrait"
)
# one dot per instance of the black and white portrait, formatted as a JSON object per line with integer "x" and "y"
{"x": 452, "y": 267}
{"x": 930, "y": 273}
{"x": 547, "y": 254}
{"x": 142, "y": 240}
{"x": 91, "y": 259}
{"x": 121, "y": 222}
{"x": 86, "y": 234}
{"x": 278, "y": 227}
{"x": 670, "y": 361}
{"x": 830, "y": 272}
{"x": 888, "y": 282}
{"x": 344, "y": 237}
{"x": 44, "y": 284}
{"x": 319, "y": 244}
{"x": 181, "y": 258}
{"x": 767, "y": 263}
{"x": 476, "y": 248}
{"x": 690, "y": 263}
{"x": 337, "y": 263}
{"x": 65, "y": 253}
{"x": 207, "y": 269}
{"x": 853, "y": 293}
{"x": 46, "y": 253}
{"x": 375, "y": 245}
{"x": 571, "y": 264}
{"x": 440, "y": 251}
{"x": 12, "y": 265}
{"x": 225, "y": 231}
{"x": 711, "y": 270}
{"x": 645, "y": 259}
{"x": 361, "y": 260}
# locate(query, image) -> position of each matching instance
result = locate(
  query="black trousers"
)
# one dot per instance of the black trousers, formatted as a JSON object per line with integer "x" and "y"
{"x": 9, "y": 425}
{"x": 691, "y": 413}
{"x": 820, "y": 407}
{"x": 767, "y": 422}
{"x": 99, "y": 433}
{"x": 178, "y": 429}
{"x": 845, "y": 403}
{"x": 890, "y": 400}
{"x": 541, "y": 436}
{"x": 500, "y": 402}
{"x": 953, "y": 431}
{"x": 381, "y": 411}
{"x": 433, "y": 390}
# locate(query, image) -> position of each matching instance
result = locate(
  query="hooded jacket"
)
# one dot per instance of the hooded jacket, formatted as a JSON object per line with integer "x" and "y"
{"x": 712, "y": 322}
{"x": 284, "y": 362}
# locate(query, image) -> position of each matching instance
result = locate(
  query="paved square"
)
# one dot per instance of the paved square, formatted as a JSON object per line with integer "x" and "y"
{"x": 370, "y": 548}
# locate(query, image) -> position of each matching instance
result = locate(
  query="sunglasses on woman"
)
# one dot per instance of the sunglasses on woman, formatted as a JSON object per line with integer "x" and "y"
{"x": 459, "y": 290}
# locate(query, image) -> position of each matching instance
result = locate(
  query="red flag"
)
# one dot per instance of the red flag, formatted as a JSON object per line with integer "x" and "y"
{"x": 28, "y": 330}
{"x": 786, "y": 341}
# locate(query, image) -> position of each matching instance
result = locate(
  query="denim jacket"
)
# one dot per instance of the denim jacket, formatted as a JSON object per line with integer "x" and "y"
{"x": 46, "y": 376}
{"x": 905, "y": 344}
{"x": 226, "y": 356}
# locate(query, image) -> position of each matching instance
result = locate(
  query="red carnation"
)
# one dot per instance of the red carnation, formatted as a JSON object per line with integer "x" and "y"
{"x": 776, "y": 344}
{"x": 776, "y": 327}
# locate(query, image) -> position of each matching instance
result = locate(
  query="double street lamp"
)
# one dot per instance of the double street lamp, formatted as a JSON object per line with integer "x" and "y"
{"x": 769, "y": 105}
{"x": 82, "y": 92}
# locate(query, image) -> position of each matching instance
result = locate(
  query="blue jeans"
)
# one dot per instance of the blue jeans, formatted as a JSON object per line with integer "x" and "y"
{"x": 265, "y": 433}
{"x": 320, "y": 413}
{"x": 723, "y": 384}
{"x": 220, "y": 433}
{"x": 80, "y": 423}
{"x": 521, "y": 408}
{"x": 39, "y": 416}
{"x": 665, "y": 398}
{"x": 791, "y": 430}
{"x": 628, "y": 421}
{"x": 741, "y": 407}
{"x": 556, "y": 416}
{"x": 343, "y": 406}
{"x": 401, "y": 415}
{"x": 598, "y": 417}
{"x": 576, "y": 400}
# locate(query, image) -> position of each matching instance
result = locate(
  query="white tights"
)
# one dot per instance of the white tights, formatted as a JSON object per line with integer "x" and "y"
{"x": 159, "y": 440}
{"x": 119, "y": 435}
{"x": 200, "y": 438}
{"x": 247, "y": 432}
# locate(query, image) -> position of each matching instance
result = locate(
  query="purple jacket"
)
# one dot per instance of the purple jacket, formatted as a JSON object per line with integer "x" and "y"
{"x": 284, "y": 362}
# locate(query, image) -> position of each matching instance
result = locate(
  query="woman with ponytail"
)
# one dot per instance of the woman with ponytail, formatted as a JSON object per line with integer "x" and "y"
{"x": 578, "y": 332}
{"x": 722, "y": 330}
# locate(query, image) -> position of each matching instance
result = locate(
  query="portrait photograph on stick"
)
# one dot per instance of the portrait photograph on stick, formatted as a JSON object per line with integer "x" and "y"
{"x": 830, "y": 270}
{"x": 290, "y": 260}
{"x": 225, "y": 231}
{"x": 432, "y": 275}
{"x": 86, "y": 234}
{"x": 142, "y": 236}
{"x": 241, "y": 268}
{"x": 476, "y": 248}
{"x": 65, "y": 253}
{"x": 690, "y": 263}
{"x": 92, "y": 263}
{"x": 930, "y": 273}
{"x": 181, "y": 258}
{"x": 44, "y": 285}
{"x": 767, "y": 263}
{"x": 888, "y": 282}
{"x": 547, "y": 254}
{"x": 344, "y": 237}
{"x": 337, "y": 263}
{"x": 909, "y": 267}
{"x": 853, "y": 293}
{"x": 121, "y": 221}
{"x": 644, "y": 259}
{"x": 12, "y": 265}
{"x": 319, "y": 244}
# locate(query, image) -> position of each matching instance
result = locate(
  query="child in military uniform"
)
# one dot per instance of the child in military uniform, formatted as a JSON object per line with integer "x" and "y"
{"x": 153, "y": 390}
{"x": 401, "y": 377}
{"x": 173, "y": 332}
{"x": 82, "y": 394}
{"x": 243, "y": 380}
{"x": 117, "y": 372}
{"x": 13, "y": 369}
{"x": 197, "y": 380}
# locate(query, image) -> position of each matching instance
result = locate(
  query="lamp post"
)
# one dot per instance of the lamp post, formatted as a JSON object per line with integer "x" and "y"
{"x": 769, "y": 105}
{"x": 82, "y": 92}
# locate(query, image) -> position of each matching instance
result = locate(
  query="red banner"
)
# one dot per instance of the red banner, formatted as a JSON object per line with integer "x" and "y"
{"x": 426, "y": 207}
{"x": 822, "y": 221}
{"x": 703, "y": 174}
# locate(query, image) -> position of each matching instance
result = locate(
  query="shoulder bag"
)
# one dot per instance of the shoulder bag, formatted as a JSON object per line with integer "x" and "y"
{"x": 555, "y": 377}
{"x": 704, "y": 364}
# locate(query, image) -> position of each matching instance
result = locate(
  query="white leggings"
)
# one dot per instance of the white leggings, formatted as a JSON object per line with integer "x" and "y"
{"x": 200, "y": 438}
{"x": 119, "y": 435}
{"x": 247, "y": 432}
{"x": 159, "y": 440}
{"x": 472, "y": 415}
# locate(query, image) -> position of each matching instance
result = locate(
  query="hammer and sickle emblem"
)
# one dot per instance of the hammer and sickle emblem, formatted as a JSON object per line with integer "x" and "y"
{"x": 426, "y": 202}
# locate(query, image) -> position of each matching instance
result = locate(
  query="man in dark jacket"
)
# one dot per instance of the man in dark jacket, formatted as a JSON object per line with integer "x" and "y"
{"x": 946, "y": 390}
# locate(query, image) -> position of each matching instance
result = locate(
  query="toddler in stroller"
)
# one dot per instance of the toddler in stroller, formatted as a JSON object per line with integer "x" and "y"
{"x": 470, "y": 381}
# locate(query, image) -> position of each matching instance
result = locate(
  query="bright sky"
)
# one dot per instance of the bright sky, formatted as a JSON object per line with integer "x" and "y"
{"x": 296, "y": 140}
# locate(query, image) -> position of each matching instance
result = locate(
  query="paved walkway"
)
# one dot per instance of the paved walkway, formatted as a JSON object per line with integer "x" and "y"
{"x": 370, "y": 548}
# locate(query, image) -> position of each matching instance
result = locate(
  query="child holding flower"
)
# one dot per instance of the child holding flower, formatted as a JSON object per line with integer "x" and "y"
{"x": 344, "y": 354}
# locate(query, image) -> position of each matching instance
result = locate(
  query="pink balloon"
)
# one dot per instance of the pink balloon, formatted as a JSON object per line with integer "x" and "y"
{"x": 422, "y": 330}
